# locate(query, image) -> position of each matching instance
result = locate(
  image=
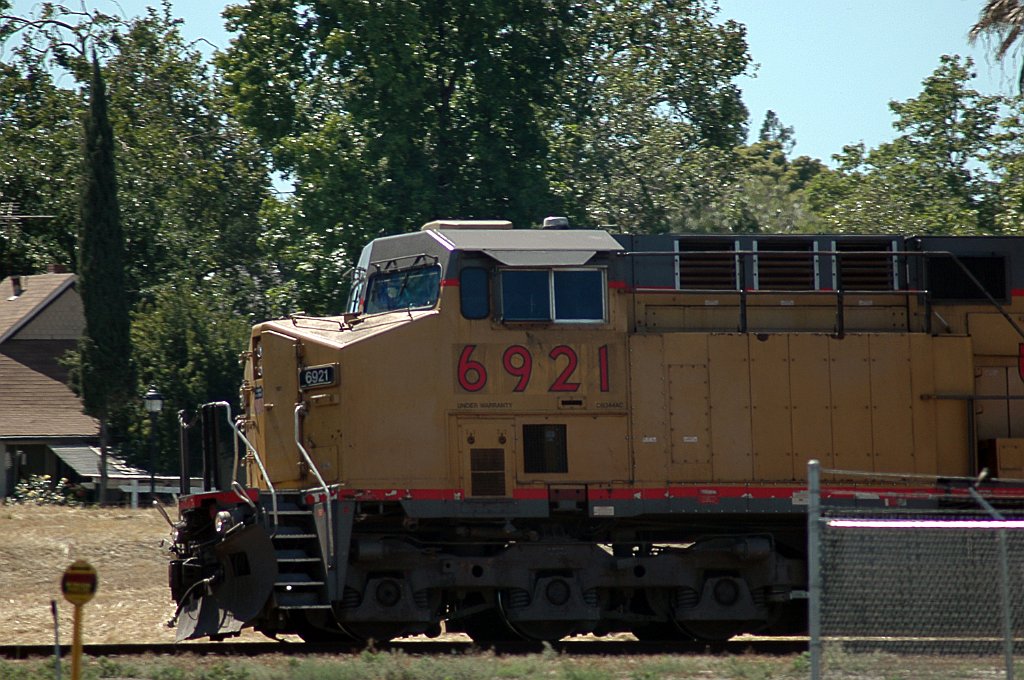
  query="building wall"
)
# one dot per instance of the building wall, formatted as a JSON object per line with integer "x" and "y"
{"x": 62, "y": 319}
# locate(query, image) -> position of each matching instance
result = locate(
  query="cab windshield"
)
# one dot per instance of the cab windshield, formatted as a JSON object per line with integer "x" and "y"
{"x": 403, "y": 289}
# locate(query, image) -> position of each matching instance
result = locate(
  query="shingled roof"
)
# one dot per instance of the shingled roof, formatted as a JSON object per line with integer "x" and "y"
{"x": 36, "y": 292}
{"x": 40, "y": 319}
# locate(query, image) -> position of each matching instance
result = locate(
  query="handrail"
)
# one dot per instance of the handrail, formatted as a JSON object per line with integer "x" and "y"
{"x": 300, "y": 410}
{"x": 741, "y": 256}
{"x": 255, "y": 454}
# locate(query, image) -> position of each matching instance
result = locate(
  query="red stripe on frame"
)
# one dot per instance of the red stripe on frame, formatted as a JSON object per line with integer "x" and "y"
{"x": 449, "y": 282}
{"x": 219, "y": 498}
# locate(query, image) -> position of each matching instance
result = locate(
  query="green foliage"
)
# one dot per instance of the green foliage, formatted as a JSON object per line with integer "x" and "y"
{"x": 1005, "y": 157}
{"x": 188, "y": 343}
{"x": 772, "y": 130}
{"x": 643, "y": 129}
{"x": 190, "y": 185}
{"x": 932, "y": 178}
{"x": 41, "y": 134}
{"x": 192, "y": 181}
{"x": 622, "y": 114}
{"x": 1001, "y": 22}
{"x": 42, "y": 490}
{"x": 391, "y": 114}
{"x": 768, "y": 192}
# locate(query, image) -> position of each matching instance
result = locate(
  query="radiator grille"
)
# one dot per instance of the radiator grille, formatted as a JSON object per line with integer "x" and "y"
{"x": 785, "y": 270}
{"x": 707, "y": 270}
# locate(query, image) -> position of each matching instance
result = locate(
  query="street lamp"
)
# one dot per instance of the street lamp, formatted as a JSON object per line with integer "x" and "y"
{"x": 154, "y": 402}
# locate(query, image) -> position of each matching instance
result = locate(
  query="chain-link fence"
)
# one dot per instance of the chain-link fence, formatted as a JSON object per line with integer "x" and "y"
{"x": 898, "y": 593}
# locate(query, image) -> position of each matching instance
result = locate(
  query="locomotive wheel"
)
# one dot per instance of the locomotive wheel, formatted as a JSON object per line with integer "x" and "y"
{"x": 539, "y": 631}
{"x": 662, "y": 631}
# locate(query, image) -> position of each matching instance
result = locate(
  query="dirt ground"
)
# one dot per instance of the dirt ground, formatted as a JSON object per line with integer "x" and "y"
{"x": 37, "y": 543}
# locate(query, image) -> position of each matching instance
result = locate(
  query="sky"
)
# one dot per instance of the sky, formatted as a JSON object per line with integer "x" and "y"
{"x": 828, "y": 68}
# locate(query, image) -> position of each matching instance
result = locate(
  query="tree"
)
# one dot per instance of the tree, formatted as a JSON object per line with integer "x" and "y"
{"x": 40, "y": 133}
{"x": 190, "y": 185}
{"x": 187, "y": 342}
{"x": 192, "y": 179}
{"x": 393, "y": 113}
{"x": 643, "y": 130}
{"x": 105, "y": 371}
{"x": 932, "y": 178}
{"x": 1003, "y": 22}
{"x": 772, "y": 130}
{"x": 769, "y": 192}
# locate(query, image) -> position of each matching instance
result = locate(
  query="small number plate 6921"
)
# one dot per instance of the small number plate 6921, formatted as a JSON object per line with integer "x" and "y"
{"x": 318, "y": 376}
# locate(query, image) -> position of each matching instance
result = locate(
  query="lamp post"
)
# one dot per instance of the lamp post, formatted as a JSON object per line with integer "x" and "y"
{"x": 154, "y": 402}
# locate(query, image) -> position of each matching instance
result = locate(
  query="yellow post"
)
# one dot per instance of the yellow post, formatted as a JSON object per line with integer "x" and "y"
{"x": 76, "y": 645}
{"x": 78, "y": 585}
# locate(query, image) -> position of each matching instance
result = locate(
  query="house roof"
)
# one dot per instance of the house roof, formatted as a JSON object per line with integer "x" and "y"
{"x": 85, "y": 461}
{"x": 35, "y": 403}
{"x": 37, "y": 291}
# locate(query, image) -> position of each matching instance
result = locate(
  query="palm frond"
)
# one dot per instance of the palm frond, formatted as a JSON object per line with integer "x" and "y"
{"x": 1003, "y": 21}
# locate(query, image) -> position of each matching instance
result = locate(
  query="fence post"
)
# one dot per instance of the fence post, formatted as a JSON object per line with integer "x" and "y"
{"x": 1004, "y": 581}
{"x": 814, "y": 565}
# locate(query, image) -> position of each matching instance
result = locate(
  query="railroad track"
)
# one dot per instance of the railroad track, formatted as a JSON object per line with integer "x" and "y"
{"x": 431, "y": 647}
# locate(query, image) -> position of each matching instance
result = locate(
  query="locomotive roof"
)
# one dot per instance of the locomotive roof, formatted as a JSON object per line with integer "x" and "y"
{"x": 530, "y": 247}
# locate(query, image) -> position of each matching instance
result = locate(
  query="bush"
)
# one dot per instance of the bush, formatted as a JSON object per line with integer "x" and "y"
{"x": 39, "y": 490}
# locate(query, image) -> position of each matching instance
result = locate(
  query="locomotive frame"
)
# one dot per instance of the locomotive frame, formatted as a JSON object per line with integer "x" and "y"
{"x": 544, "y": 432}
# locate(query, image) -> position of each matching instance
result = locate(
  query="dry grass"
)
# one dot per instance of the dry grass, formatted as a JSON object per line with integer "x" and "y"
{"x": 37, "y": 543}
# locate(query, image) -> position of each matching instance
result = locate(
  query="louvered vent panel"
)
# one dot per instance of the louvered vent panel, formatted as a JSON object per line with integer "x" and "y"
{"x": 487, "y": 472}
{"x": 868, "y": 271}
{"x": 708, "y": 270}
{"x": 785, "y": 270}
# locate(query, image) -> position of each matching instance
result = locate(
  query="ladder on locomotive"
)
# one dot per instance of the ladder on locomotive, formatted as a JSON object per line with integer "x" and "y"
{"x": 302, "y": 568}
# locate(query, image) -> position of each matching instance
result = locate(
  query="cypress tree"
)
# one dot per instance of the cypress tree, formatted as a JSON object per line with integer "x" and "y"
{"x": 105, "y": 372}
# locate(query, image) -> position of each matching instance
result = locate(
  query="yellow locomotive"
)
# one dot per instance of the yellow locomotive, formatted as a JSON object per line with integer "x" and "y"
{"x": 535, "y": 433}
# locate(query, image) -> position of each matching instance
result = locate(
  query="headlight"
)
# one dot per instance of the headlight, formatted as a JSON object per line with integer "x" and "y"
{"x": 223, "y": 522}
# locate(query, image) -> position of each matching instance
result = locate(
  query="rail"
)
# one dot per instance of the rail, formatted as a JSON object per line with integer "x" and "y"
{"x": 300, "y": 410}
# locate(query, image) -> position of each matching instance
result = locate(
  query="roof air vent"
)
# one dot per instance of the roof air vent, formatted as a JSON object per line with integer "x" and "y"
{"x": 556, "y": 222}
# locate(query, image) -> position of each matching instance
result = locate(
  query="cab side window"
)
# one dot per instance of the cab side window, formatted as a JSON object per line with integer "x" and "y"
{"x": 525, "y": 295}
{"x": 474, "y": 293}
{"x": 558, "y": 295}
